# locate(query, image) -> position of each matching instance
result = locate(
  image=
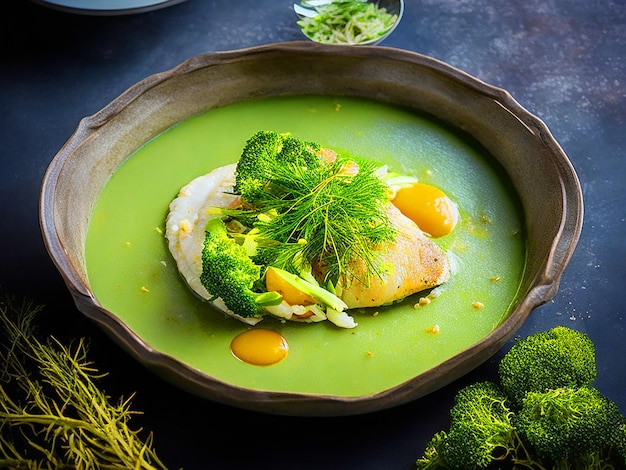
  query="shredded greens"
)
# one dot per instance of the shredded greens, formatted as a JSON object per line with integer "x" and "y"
{"x": 52, "y": 413}
{"x": 347, "y": 22}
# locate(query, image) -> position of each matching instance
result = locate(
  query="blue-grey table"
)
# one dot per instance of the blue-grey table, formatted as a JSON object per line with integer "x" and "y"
{"x": 563, "y": 60}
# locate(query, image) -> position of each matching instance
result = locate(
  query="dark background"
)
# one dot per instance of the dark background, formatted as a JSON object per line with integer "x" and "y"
{"x": 563, "y": 60}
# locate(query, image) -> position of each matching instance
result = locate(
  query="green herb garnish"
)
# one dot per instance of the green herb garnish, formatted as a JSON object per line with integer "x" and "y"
{"x": 347, "y": 22}
{"x": 52, "y": 413}
{"x": 327, "y": 216}
{"x": 328, "y": 210}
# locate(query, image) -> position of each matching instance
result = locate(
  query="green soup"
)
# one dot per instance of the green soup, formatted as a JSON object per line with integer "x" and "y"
{"x": 133, "y": 274}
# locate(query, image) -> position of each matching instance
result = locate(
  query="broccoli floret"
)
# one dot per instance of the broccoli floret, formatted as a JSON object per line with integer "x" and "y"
{"x": 481, "y": 434}
{"x": 569, "y": 426}
{"x": 560, "y": 357}
{"x": 431, "y": 459}
{"x": 300, "y": 151}
{"x": 229, "y": 273}
{"x": 618, "y": 443}
{"x": 480, "y": 428}
{"x": 262, "y": 152}
{"x": 559, "y": 421}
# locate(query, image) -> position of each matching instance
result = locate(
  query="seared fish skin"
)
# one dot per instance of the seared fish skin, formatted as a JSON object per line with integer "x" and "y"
{"x": 410, "y": 265}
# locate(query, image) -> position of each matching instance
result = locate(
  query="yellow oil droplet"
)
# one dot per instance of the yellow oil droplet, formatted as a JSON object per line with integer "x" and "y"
{"x": 260, "y": 347}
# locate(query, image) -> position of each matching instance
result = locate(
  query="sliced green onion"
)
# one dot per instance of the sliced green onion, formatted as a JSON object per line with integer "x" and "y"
{"x": 347, "y": 22}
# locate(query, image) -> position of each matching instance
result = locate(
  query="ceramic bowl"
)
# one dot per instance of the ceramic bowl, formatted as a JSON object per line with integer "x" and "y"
{"x": 107, "y": 7}
{"x": 540, "y": 172}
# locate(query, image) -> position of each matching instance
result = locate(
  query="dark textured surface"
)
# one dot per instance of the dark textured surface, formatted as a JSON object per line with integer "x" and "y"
{"x": 564, "y": 61}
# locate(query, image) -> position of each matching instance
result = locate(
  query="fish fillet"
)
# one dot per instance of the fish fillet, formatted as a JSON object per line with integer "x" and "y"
{"x": 410, "y": 265}
{"x": 414, "y": 262}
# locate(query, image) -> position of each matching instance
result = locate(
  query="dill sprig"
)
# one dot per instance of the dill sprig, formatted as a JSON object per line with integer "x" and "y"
{"x": 53, "y": 415}
{"x": 331, "y": 215}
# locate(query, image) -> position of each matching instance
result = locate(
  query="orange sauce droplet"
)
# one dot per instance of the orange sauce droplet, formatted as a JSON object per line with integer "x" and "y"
{"x": 291, "y": 294}
{"x": 429, "y": 207}
{"x": 260, "y": 347}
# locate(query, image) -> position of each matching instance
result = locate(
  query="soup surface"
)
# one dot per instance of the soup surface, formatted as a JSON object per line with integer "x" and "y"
{"x": 134, "y": 276}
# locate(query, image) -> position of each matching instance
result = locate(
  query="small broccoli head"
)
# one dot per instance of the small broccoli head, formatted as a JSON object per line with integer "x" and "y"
{"x": 560, "y": 357}
{"x": 229, "y": 273}
{"x": 431, "y": 458}
{"x": 253, "y": 166}
{"x": 481, "y": 431}
{"x": 263, "y": 152}
{"x": 568, "y": 424}
{"x": 300, "y": 152}
{"x": 560, "y": 421}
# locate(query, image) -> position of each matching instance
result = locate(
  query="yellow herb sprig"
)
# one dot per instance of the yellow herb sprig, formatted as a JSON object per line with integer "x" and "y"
{"x": 52, "y": 412}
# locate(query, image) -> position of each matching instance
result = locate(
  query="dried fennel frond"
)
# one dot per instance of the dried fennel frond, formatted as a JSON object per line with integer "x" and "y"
{"x": 52, "y": 413}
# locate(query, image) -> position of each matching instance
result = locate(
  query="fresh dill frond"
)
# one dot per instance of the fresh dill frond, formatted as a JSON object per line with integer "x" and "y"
{"x": 52, "y": 412}
{"x": 330, "y": 215}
